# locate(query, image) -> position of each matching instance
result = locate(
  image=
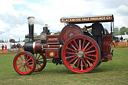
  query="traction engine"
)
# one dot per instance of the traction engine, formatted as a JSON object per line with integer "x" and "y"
{"x": 74, "y": 47}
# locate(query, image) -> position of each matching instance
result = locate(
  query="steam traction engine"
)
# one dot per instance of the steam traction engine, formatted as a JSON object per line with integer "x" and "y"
{"x": 74, "y": 47}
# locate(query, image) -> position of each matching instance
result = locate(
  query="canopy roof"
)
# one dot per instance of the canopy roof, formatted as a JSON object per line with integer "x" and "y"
{"x": 77, "y": 20}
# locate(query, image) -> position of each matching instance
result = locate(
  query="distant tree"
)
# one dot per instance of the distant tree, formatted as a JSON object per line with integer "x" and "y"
{"x": 59, "y": 32}
{"x": 36, "y": 35}
{"x": 127, "y": 31}
{"x": 123, "y": 30}
{"x": 12, "y": 41}
{"x": 116, "y": 31}
{"x": 1, "y": 41}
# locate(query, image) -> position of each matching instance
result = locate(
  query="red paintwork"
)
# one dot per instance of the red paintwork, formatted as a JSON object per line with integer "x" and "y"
{"x": 107, "y": 39}
{"x": 53, "y": 39}
{"x": 70, "y": 31}
{"x": 37, "y": 47}
{"x": 52, "y": 53}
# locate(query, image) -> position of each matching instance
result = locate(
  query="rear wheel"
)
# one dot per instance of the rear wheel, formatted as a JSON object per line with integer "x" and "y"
{"x": 24, "y": 63}
{"x": 81, "y": 54}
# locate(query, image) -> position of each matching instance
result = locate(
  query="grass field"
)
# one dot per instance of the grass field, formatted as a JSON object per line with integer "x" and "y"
{"x": 114, "y": 72}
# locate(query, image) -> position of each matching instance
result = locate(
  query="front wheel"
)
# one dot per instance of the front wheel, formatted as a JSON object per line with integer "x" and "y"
{"x": 81, "y": 54}
{"x": 24, "y": 63}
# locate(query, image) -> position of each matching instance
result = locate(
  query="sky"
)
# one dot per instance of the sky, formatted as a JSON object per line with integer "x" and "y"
{"x": 14, "y": 13}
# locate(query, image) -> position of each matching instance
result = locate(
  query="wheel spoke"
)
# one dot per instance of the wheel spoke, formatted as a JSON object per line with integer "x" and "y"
{"x": 71, "y": 53}
{"x": 21, "y": 58}
{"x": 83, "y": 43}
{"x": 37, "y": 66}
{"x": 20, "y": 67}
{"x": 79, "y": 44}
{"x": 25, "y": 69}
{"x": 28, "y": 59}
{"x": 90, "y": 58}
{"x": 85, "y": 63}
{"x": 19, "y": 61}
{"x": 91, "y": 55}
{"x": 40, "y": 64}
{"x": 72, "y": 60}
{"x": 90, "y": 64}
{"x": 89, "y": 48}
{"x": 19, "y": 64}
{"x": 75, "y": 43}
{"x": 70, "y": 56}
{"x": 29, "y": 62}
{"x": 78, "y": 63}
{"x": 74, "y": 63}
{"x": 81, "y": 65}
{"x": 86, "y": 46}
{"x": 38, "y": 57}
{"x": 29, "y": 67}
{"x": 73, "y": 46}
{"x": 90, "y": 51}
{"x": 70, "y": 49}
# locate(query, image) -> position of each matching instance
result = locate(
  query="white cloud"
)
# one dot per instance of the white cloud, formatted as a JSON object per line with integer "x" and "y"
{"x": 14, "y": 13}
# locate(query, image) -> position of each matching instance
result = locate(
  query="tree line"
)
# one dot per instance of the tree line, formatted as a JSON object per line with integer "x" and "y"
{"x": 120, "y": 31}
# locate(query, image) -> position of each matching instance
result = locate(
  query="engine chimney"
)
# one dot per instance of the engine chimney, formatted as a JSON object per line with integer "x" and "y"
{"x": 31, "y": 28}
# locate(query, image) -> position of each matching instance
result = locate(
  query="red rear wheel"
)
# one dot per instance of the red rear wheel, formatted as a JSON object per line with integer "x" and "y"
{"x": 24, "y": 63}
{"x": 40, "y": 62}
{"x": 81, "y": 54}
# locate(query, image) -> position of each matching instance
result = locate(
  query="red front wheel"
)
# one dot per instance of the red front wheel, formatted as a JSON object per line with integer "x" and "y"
{"x": 40, "y": 62}
{"x": 81, "y": 54}
{"x": 24, "y": 63}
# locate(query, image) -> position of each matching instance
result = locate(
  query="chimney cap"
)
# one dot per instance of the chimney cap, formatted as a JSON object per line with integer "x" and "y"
{"x": 31, "y": 20}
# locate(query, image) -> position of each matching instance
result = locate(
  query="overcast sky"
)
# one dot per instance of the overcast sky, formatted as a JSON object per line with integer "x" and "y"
{"x": 14, "y": 13}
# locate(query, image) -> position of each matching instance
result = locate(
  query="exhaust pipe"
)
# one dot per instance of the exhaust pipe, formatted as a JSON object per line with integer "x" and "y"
{"x": 31, "y": 28}
{"x": 28, "y": 46}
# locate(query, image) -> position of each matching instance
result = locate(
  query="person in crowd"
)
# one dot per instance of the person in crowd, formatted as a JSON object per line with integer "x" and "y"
{"x": 121, "y": 38}
{"x": 5, "y": 47}
{"x": 2, "y": 47}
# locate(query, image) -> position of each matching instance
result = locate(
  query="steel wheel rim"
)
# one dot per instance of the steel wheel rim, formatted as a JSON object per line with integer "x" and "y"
{"x": 24, "y": 63}
{"x": 73, "y": 57}
{"x": 40, "y": 62}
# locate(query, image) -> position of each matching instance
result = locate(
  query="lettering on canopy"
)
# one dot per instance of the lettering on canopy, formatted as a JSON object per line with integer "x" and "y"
{"x": 86, "y": 19}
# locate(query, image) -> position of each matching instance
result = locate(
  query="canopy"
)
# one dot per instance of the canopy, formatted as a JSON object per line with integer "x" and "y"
{"x": 77, "y": 20}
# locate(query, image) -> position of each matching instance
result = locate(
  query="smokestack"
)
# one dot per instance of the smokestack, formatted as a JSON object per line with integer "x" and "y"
{"x": 31, "y": 28}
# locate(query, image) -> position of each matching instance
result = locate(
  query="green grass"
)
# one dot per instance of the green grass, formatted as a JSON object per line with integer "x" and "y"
{"x": 114, "y": 72}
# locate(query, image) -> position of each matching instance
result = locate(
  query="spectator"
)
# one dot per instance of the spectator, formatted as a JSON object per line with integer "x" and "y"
{"x": 2, "y": 47}
{"x": 121, "y": 38}
{"x": 5, "y": 47}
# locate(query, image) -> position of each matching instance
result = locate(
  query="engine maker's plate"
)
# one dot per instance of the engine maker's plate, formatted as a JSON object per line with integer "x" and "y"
{"x": 69, "y": 31}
